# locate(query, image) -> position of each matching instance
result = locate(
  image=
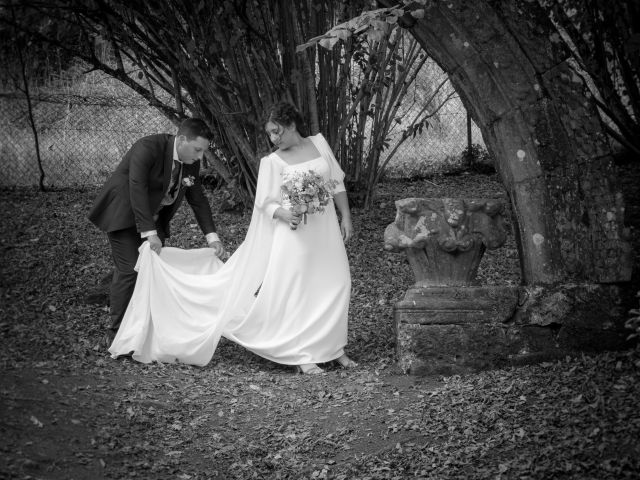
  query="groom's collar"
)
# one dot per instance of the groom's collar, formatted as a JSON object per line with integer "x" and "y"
{"x": 175, "y": 149}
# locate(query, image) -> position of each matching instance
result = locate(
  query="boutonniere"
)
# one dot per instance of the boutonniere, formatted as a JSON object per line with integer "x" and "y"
{"x": 189, "y": 181}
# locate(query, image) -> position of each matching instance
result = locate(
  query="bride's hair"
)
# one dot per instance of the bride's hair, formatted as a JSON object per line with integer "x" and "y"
{"x": 285, "y": 114}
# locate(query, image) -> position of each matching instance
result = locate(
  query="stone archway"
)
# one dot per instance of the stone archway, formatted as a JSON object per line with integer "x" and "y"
{"x": 514, "y": 77}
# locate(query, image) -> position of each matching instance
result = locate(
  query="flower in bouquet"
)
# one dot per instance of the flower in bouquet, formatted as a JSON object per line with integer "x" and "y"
{"x": 307, "y": 192}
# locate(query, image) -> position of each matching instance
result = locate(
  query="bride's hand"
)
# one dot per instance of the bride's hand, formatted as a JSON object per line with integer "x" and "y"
{"x": 346, "y": 227}
{"x": 293, "y": 219}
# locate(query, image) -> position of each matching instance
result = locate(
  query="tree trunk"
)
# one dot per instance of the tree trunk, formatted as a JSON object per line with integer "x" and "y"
{"x": 537, "y": 118}
{"x": 32, "y": 122}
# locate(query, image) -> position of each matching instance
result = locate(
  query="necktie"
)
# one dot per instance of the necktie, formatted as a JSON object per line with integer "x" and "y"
{"x": 175, "y": 178}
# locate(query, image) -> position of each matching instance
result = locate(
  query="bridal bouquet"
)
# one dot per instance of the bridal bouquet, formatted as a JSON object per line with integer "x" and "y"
{"x": 307, "y": 192}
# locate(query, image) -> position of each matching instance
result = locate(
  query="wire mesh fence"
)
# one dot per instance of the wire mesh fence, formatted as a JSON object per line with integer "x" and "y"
{"x": 439, "y": 148}
{"x": 82, "y": 138}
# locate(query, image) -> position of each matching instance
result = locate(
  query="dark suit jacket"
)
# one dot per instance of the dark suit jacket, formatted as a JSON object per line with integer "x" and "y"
{"x": 132, "y": 195}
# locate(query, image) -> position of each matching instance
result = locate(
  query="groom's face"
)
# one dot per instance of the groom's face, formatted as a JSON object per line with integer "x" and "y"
{"x": 190, "y": 151}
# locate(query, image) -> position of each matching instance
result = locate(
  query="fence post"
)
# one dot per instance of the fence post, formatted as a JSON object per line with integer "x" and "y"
{"x": 469, "y": 158}
{"x": 469, "y": 139}
{"x": 23, "y": 70}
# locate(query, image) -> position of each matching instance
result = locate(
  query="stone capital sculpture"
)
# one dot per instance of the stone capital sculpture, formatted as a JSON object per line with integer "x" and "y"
{"x": 445, "y": 238}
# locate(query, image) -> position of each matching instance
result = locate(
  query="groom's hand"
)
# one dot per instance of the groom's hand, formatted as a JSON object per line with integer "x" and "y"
{"x": 155, "y": 243}
{"x": 217, "y": 247}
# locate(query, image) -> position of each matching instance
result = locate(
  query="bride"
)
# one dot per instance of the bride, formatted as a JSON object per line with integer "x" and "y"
{"x": 284, "y": 294}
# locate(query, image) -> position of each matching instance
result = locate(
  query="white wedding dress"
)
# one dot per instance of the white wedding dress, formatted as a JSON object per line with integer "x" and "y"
{"x": 284, "y": 294}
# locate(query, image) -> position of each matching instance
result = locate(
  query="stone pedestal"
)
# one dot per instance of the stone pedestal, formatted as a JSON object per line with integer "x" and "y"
{"x": 446, "y": 323}
{"x": 446, "y": 330}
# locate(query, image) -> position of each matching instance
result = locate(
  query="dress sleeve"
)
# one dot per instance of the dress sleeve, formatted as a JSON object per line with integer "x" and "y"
{"x": 335, "y": 171}
{"x": 268, "y": 198}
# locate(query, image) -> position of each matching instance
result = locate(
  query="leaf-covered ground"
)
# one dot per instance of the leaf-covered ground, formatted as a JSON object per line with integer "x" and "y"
{"x": 69, "y": 411}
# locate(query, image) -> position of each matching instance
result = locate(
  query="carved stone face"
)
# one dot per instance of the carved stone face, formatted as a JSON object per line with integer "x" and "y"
{"x": 445, "y": 238}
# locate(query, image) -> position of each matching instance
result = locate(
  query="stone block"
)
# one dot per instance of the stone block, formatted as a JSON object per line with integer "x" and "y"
{"x": 454, "y": 305}
{"x": 468, "y": 348}
{"x": 446, "y": 330}
{"x": 455, "y": 330}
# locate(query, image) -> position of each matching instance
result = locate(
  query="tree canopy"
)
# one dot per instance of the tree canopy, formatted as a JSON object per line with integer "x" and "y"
{"x": 227, "y": 61}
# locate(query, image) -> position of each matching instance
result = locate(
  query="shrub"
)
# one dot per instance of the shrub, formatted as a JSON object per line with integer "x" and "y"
{"x": 477, "y": 159}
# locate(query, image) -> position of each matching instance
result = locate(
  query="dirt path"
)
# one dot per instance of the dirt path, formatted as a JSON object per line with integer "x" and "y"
{"x": 184, "y": 422}
{"x": 572, "y": 419}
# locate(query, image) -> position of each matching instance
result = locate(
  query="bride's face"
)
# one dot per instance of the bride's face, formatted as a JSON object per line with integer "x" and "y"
{"x": 281, "y": 136}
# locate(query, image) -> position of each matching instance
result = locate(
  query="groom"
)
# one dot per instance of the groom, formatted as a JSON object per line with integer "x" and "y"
{"x": 138, "y": 201}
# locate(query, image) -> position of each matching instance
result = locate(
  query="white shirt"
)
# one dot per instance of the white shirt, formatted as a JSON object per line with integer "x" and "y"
{"x": 211, "y": 237}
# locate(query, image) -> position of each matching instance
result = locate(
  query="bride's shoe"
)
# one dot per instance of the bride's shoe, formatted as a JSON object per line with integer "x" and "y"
{"x": 309, "y": 369}
{"x": 346, "y": 362}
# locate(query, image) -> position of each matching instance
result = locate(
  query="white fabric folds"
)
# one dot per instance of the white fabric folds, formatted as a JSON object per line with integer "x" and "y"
{"x": 185, "y": 300}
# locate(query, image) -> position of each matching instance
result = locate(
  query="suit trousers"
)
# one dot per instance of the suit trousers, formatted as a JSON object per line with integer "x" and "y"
{"x": 124, "y": 250}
